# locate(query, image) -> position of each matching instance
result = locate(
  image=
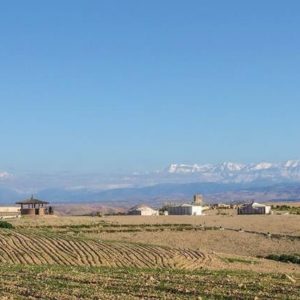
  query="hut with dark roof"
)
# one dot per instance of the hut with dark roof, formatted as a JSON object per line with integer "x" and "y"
{"x": 33, "y": 207}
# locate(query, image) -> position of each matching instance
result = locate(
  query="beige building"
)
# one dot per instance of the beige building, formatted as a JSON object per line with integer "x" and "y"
{"x": 143, "y": 210}
{"x": 7, "y": 212}
{"x": 198, "y": 199}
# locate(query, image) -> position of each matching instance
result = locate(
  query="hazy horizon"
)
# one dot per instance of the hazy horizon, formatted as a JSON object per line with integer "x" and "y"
{"x": 256, "y": 174}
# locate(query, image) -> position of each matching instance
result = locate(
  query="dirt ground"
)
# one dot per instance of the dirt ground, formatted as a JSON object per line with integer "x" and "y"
{"x": 238, "y": 243}
{"x": 37, "y": 221}
{"x": 221, "y": 241}
{"x": 276, "y": 224}
{"x": 280, "y": 224}
{"x": 225, "y": 242}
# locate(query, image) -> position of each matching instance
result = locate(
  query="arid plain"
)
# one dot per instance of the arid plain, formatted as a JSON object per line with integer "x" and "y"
{"x": 221, "y": 254}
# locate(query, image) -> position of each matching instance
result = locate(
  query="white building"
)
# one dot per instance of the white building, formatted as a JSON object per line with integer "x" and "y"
{"x": 254, "y": 209}
{"x": 7, "y": 212}
{"x": 185, "y": 209}
{"x": 143, "y": 210}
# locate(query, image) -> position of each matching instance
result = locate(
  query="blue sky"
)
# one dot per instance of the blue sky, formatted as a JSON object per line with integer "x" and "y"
{"x": 94, "y": 86}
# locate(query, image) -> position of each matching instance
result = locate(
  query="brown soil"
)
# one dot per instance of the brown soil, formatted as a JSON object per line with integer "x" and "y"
{"x": 239, "y": 243}
{"x": 281, "y": 224}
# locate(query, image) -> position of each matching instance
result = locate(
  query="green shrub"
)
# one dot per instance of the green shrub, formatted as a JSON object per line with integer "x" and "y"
{"x": 295, "y": 259}
{"x": 4, "y": 224}
{"x": 295, "y": 210}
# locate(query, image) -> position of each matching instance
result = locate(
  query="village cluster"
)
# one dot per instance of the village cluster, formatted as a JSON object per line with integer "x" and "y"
{"x": 197, "y": 208}
{"x": 36, "y": 207}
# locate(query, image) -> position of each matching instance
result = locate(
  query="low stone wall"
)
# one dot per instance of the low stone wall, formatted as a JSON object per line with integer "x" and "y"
{"x": 33, "y": 211}
{"x": 29, "y": 211}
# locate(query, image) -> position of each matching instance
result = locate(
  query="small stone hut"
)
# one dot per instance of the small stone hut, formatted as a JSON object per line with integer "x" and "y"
{"x": 33, "y": 207}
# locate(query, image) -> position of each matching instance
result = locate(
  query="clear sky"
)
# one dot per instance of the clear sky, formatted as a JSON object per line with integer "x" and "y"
{"x": 135, "y": 85}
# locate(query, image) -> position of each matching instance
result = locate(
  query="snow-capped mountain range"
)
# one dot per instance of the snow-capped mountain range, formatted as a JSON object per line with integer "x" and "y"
{"x": 263, "y": 181}
{"x": 238, "y": 172}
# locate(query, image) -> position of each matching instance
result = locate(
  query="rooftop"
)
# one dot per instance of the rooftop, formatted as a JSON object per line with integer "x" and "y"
{"x": 254, "y": 204}
{"x": 140, "y": 207}
{"x": 32, "y": 201}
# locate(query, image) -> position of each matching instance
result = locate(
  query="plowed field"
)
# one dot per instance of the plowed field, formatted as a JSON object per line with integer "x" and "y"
{"x": 22, "y": 248}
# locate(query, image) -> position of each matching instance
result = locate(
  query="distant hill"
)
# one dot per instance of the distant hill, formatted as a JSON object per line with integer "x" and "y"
{"x": 160, "y": 193}
{"x": 9, "y": 196}
{"x": 224, "y": 182}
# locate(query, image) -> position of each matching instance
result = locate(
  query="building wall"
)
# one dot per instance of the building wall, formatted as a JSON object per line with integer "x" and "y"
{"x": 196, "y": 210}
{"x": 191, "y": 210}
{"x": 9, "y": 209}
{"x": 249, "y": 210}
{"x": 180, "y": 210}
{"x": 198, "y": 199}
{"x": 148, "y": 212}
{"x": 268, "y": 210}
{"x": 41, "y": 211}
{"x": 135, "y": 212}
{"x": 28, "y": 211}
{"x": 9, "y": 212}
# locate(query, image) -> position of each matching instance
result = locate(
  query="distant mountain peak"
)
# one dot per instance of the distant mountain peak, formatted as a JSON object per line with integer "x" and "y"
{"x": 185, "y": 168}
{"x": 292, "y": 164}
{"x": 231, "y": 166}
{"x": 263, "y": 166}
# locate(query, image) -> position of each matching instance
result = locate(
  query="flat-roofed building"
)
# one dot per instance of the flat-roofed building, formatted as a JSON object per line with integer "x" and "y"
{"x": 185, "y": 209}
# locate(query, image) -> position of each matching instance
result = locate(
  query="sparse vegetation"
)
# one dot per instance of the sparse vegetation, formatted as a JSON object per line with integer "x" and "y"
{"x": 5, "y": 224}
{"x": 75, "y": 282}
{"x": 288, "y": 258}
{"x": 294, "y": 210}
